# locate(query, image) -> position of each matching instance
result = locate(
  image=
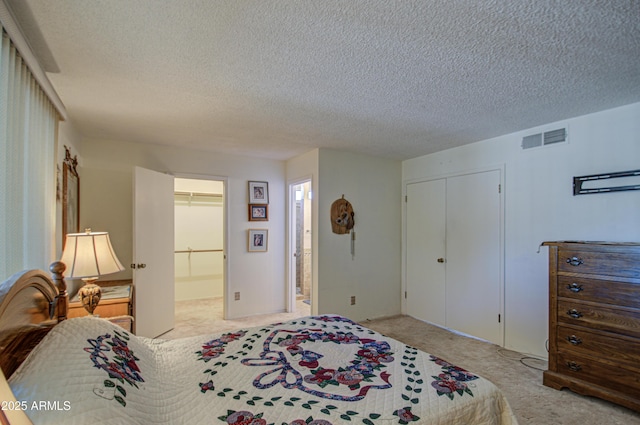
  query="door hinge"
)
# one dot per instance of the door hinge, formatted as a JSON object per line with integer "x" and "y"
{"x": 405, "y": 295}
{"x": 499, "y": 188}
{"x": 406, "y": 199}
{"x": 499, "y": 318}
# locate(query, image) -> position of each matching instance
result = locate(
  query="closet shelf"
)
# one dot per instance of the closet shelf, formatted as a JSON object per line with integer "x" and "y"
{"x": 189, "y": 251}
{"x": 208, "y": 195}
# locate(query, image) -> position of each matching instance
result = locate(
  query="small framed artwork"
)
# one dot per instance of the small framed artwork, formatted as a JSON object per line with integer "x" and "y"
{"x": 258, "y": 239}
{"x": 258, "y": 212}
{"x": 258, "y": 192}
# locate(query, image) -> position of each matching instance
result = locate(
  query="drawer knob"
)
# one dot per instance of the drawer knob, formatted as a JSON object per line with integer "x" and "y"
{"x": 575, "y": 261}
{"x": 574, "y": 340}
{"x": 574, "y": 287}
{"x": 574, "y": 313}
{"x": 574, "y": 366}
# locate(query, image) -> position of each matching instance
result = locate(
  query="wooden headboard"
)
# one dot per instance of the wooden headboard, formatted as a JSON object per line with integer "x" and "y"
{"x": 31, "y": 303}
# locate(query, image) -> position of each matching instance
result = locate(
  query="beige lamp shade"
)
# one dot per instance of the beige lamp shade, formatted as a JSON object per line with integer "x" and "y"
{"x": 89, "y": 254}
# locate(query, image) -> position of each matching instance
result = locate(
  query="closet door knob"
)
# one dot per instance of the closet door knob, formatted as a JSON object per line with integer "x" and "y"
{"x": 440, "y": 260}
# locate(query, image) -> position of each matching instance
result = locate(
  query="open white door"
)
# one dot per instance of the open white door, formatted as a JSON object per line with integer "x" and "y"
{"x": 153, "y": 246}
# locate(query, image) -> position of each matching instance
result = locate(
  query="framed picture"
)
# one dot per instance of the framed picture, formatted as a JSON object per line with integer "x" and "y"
{"x": 258, "y": 239}
{"x": 70, "y": 196}
{"x": 258, "y": 212}
{"x": 258, "y": 192}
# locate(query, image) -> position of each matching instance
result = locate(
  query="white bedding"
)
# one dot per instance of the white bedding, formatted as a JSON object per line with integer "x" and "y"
{"x": 315, "y": 370}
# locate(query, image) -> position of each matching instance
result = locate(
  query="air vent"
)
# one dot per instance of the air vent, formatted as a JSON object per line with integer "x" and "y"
{"x": 555, "y": 136}
{"x": 544, "y": 139}
{"x": 532, "y": 141}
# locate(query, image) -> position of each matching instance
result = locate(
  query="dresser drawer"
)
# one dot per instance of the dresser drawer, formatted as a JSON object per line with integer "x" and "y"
{"x": 603, "y": 291}
{"x": 615, "y": 377}
{"x": 624, "y": 322}
{"x": 601, "y": 263}
{"x": 582, "y": 342}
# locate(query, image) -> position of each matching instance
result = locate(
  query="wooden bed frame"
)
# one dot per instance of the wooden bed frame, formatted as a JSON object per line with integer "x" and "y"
{"x": 31, "y": 304}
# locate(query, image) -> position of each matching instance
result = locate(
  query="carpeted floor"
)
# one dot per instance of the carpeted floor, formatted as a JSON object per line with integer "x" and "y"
{"x": 197, "y": 317}
{"x": 518, "y": 376}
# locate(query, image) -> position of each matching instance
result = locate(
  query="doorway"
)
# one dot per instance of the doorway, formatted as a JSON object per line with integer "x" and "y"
{"x": 199, "y": 245}
{"x": 301, "y": 245}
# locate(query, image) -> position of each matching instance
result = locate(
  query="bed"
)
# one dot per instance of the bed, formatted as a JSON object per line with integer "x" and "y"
{"x": 316, "y": 370}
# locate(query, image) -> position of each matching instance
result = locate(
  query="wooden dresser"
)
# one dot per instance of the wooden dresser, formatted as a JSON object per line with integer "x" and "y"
{"x": 594, "y": 320}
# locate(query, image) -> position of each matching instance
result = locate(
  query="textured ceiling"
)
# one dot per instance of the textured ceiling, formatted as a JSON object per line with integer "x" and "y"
{"x": 274, "y": 79}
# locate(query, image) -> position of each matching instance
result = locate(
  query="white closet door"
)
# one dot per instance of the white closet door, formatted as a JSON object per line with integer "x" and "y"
{"x": 425, "y": 240}
{"x": 473, "y": 255}
{"x": 153, "y": 246}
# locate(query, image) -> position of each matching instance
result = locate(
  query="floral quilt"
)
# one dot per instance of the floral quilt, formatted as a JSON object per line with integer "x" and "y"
{"x": 318, "y": 370}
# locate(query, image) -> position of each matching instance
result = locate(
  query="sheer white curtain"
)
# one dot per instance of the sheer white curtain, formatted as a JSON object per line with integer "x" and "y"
{"x": 28, "y": 123}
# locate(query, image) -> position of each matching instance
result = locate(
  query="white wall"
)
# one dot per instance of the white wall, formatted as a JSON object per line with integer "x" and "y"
{"x": 372, "y": 185}
{"x": 373, "y": 276}
{"x": 540, "y": 206}
{"x": 106, "y": 204}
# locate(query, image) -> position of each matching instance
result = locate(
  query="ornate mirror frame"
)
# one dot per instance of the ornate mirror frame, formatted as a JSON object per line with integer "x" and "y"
{"x": 70, "y": 195}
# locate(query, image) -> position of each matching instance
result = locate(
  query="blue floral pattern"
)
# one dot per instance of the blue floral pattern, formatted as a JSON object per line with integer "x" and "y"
{"x": 212, "y": 350}
{"x": 363, "y": 373}
{"x": 112, "y": 354}
{"x": 298, "y": 356}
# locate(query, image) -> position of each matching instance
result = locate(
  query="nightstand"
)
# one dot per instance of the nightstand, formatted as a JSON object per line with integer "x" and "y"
{"x": 115, "y": 306}
{"x": 125, "y": 322}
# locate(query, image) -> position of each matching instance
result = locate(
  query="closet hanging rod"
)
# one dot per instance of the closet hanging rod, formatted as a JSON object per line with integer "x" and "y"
{"x": 189, "y": 251}
{"x": 210, "y": 195}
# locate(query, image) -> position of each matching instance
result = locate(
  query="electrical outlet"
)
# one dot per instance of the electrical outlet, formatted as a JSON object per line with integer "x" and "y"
{"x": 237, "y": 296}
{"x": 353, "y": 300}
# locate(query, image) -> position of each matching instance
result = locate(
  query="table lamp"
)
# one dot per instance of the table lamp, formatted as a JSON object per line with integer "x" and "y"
{"x": 89, "y": 256}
